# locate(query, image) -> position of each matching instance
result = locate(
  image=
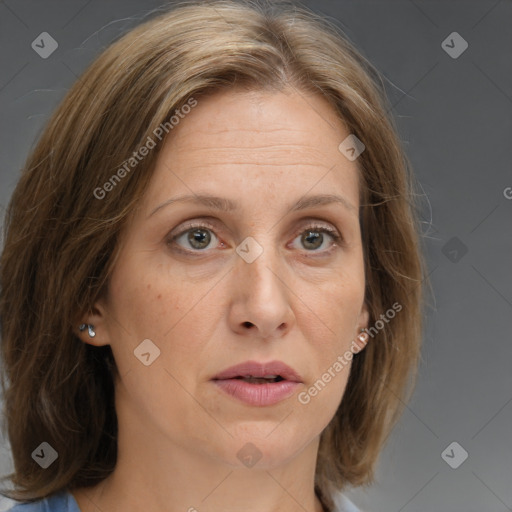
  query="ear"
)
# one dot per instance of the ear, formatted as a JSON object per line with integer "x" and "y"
{"x": 361, "y": 338}
{"x": 97, "y": 319}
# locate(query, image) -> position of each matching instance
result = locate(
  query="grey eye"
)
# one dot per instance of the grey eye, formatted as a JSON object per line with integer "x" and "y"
{"x": 198, "y": 238}
{"x": 312, "y": 239}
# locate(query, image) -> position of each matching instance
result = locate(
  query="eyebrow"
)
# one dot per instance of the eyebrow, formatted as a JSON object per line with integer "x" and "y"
{"x": 228, "y": 205}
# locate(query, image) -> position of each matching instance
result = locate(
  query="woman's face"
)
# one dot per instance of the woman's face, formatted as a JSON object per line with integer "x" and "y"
{"x": 212, "y": 287}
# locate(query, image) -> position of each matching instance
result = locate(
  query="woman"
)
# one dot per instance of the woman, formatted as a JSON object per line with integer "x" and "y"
{"x": 211, "y": 279}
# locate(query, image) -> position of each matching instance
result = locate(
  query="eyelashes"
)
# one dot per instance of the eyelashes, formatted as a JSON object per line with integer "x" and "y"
{"x": 312, "y": 233}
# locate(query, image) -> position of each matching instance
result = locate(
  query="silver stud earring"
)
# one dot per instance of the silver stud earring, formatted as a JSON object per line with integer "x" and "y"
{"x": 90, "y": 329}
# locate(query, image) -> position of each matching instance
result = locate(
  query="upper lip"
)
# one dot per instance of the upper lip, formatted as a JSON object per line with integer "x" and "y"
{"x": 255, "y": 369}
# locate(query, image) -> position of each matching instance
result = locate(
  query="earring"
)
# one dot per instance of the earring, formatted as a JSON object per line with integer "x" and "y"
{"x": 362, "y": 337}
{"x": 90, "y": 329}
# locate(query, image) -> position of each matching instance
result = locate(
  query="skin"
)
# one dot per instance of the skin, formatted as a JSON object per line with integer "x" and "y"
{"x": 206, "y": 310}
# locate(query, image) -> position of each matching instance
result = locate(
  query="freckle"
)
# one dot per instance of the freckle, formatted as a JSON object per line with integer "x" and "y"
{"x": 159, "y": 296}
{"x": 149, "y": 286}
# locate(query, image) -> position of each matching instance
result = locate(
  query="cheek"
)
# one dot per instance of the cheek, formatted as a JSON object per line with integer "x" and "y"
{"x": 136, "y": 312}
{"x": 146, "y": 295}
{"x": 338, "y": 301}
{"x": 330, "y": 325}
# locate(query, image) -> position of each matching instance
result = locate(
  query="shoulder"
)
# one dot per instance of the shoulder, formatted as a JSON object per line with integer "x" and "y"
{"x": 343, "y": 504}
{"x": 62, "y": 501}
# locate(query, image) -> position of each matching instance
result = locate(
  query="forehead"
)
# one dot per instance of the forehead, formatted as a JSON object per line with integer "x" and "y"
{"x": 274, "y": 125}
{"x": 281, "y": 138}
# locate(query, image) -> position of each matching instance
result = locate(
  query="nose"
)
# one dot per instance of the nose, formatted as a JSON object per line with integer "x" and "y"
{"x": 260, "y": 305}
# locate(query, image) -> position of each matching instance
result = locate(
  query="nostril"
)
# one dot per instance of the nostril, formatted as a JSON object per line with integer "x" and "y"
{"x": 247, "y": 324}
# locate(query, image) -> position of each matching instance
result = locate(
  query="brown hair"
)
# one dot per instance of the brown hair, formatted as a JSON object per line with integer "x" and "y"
{"x": 61, "y": 240}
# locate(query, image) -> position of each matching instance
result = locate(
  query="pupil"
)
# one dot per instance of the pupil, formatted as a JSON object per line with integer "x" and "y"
{"x": 200, "y": 236}
{"x": 315, "y": 236}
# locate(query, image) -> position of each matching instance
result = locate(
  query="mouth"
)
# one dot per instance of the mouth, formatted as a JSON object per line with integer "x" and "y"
{"x": 259, "y": 384}
{"x": 260, "y": 373}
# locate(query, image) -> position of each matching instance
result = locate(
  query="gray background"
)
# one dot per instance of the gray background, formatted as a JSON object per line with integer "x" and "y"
{"x": 455, "y": 119}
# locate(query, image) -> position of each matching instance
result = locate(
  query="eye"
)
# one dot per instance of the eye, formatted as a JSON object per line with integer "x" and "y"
{"x": 197, "y": 236}
{"x": 314, "y": 237}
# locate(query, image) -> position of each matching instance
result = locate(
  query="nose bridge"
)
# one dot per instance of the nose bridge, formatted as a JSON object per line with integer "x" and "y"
{"x": 260, "y": 264}
{"x": 262, "y": 292}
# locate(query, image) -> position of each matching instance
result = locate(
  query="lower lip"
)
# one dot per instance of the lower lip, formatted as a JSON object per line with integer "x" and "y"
{"x": 258, "y": 394}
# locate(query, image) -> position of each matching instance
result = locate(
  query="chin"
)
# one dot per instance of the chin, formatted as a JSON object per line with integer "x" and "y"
{"x": 251, "y": 449}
